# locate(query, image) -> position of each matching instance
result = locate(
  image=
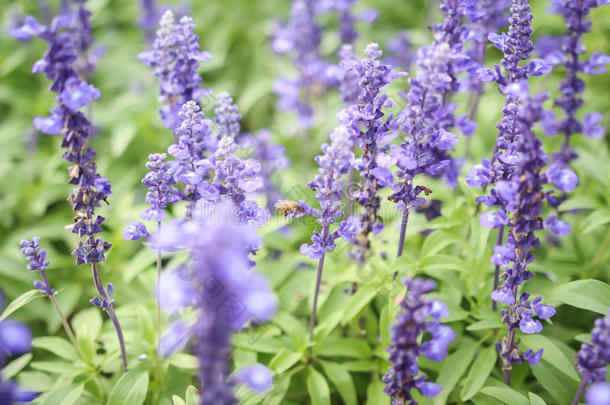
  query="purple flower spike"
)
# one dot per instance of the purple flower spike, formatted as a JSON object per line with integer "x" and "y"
{"x": 420, "y": 315}
{"x": 174, "y": 60}
{"x": 160, "y": 191}
{"x": 593, "y": 358}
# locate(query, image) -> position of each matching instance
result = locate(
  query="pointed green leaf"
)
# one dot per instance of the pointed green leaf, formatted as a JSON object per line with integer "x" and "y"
{"x": 506, "y": 394}
{"x": 65, "y": 395}
{"x": 375, "y": 394}
{"x": 131, "y": 388}
{"x": 536, "y": 400}
{"x": 592, "y": 295}
{"x": 317, "y": 388}
{"x": 551, "y": 354}
{"x": 192, "y": 395}
{"x": 452, "y": 370}
{"x": 436, "y": 242}
{"x": 342, "y": 380}
{"x": 480, "y": 370}
{"x": 19, "y": 302}
{"x": 15, "y": 366}
{"x": 58, "y": 346}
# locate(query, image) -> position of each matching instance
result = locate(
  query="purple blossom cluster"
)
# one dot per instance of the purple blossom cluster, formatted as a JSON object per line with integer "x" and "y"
{"x": 301, "y": 36}
{"x": 571, "y": 48}
{"x": 228, "y": 292}
{"x": 594, "y": 358}
{"x": 37, "y": 261}
{"x": 66, "y": 119}
{"x": 329, "y": 185}
{"x": 347, "y": 17}
{"x": 174, "y": 60}
{"x": 520, "y": 196}
{"x": 401, "y": 53}
{"x": 428, "y": 116}
{"x": 372, "y": 129}
{"x": 420, "y": 317}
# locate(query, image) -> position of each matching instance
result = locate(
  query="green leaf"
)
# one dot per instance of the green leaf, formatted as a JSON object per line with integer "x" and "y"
{"x": 375, "y": 394}
{"x": 56, "y": 367}
{"x": 485, "y": 324}
{"x": 506, "y": 395}
{"x": 293, "y": 328}
{"x": 358, "y": 301}
{"x": 592, "y": 295}
{"x": 317, "y": 388}
{"x": 452, "y": 370}
{"x": 121, "y": 136}
{"x": 19, "y": 302}
{"x": 62, "y": 396}
{"x": 596, "y": 219}
{"x": 15, "y": 366}
{"x": 57, "y": 346}
{"x": 177, "y": 400}
{"x": 479, "y": 371}
{"x": 283, "y": 360}
{"x": 347, "y": 347}
{"x": 183, "y": 360}
{"x": 559, "y": 385}
{"x": 536, "y": 400}
{"x": 342, "y": 380}
{"x": 551, "y": 354}
{"x": 444, "y": 262}
{"x": 192, "y": 395}
{"x": 436, "y": 242}
{"x": 131, "y": 388}
{"x": 257, "y": 343}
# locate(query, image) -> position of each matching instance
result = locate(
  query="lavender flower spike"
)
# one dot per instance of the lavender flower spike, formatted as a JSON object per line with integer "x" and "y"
{"x": 302, "y": 36}
{"x": 67, "y": 119}
{"x": 160, "y": 187}
{"x": 373, "y": 129}
{"x": 428, "y": 118}
{"x": 520, "y": 196}
{"x": 575, "y": 15}
{"x": 593, "y": 358}
{"x": 420, "y": 316}
{"x": 37, "y": 261}
{"x": 329, "y": 187}
{"x": 174, "y": 60}
{"x": 227, "y": 119}
{"x": 229, "y": 291}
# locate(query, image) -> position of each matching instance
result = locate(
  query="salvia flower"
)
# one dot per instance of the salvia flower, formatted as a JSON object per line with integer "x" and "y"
{"x": 401, "y": 52}
{"x": 174, "y": 60}
{"x": 272, "y": 157}
{"x": 83, "y": 39}
{"x": 257, "y": 377}
{"x": 571, "y": 48}
{"x": 520, "y": 196}
{"x": 301, "y": 36}
{"x": 594, "y": 357}
{"x": 37, "y": 260}
{"x": 229, "y": 290}
{"x": 195, "y": 142}
{"x": 347, "y": 17}
{"x": 598, "y": 394}
{"x": 419, "y": 316}
{"x": 234, "y": 177}
{"x": 66, "y": 119}
{"x": 227, "y": 119}
{"x": 160, "y": 187}
{"x": 329, "y": 185}
{"x": 428, "y": 117}
{"x": 372, "y": 130}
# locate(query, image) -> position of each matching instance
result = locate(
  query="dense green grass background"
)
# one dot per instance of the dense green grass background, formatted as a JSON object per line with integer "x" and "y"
{"x": 33, "y": 185}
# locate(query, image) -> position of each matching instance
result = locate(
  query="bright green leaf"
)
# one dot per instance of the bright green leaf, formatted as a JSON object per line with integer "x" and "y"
{"x": 19, "y": 302}
{"x": 536, "y": 400}
{"x": 342, "y": 380}
{"x": 15, "y": 366}
{"x": 452, "y": 370}
{"x": 551, "y": 354}
{"x": 592, "y": 295}
{"x": 479, "y": 371}
{"x": 506, "y": 395}
{"x": 317, "y": 388}
{"x": 130, "y": 389}
{"x": 58, "y": 346}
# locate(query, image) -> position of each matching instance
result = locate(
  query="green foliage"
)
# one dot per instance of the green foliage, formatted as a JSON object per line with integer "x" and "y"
{"x": 346, "y": 360}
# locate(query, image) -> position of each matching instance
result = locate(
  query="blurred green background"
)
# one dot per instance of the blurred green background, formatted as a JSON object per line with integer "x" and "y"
{"x": 33, "y": 187}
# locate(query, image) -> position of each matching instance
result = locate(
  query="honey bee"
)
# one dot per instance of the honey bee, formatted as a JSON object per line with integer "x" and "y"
{"x": 288, "y": 207}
